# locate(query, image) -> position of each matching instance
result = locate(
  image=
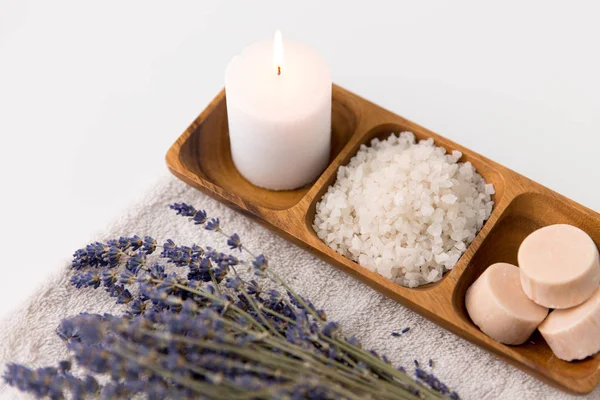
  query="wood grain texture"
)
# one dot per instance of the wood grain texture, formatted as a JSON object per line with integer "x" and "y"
{"x": 201, "y": 158}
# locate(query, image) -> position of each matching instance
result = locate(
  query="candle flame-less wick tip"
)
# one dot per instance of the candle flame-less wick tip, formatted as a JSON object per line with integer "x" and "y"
{"x": 278, "y": 59}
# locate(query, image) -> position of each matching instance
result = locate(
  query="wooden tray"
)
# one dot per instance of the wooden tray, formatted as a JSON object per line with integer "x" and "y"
{"x": 201, "y": 158}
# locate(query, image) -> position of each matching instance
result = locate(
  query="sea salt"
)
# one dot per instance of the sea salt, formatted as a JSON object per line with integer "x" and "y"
{"x": 403, "y": 209}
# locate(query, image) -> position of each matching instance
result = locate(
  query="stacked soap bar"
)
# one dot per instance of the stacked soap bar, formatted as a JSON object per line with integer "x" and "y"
{"x": 500, "y": 308}
{"x": 559, "y": 268}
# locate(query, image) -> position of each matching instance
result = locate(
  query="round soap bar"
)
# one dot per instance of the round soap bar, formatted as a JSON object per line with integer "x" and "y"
{"x": 560, "y": 266}
{"x": 499, "y": 307}
{"x": 574, "y": 333}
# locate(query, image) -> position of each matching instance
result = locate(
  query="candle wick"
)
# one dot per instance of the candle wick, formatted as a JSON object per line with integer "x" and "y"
{"x": 278, "y": 70}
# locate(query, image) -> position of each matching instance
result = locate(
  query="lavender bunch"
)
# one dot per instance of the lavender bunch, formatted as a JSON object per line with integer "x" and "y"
{"x": 196, "y": 328}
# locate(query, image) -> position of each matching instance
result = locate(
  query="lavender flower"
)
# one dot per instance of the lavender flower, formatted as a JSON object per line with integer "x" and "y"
{"x": 435, "y": 383}
{"x": 138, "y": 307}
{"x": 136, "y": 242}
{"x": 109, "y": 277}
{"x": 234, "y": 242}
{"x": 213, "y": 225}
{"x": 157, "y": 271}
{"x": 114, "y": 256}
{"x": 124, "y": 297}
{"x": 331, "y": 329}
{"x": 254, "y": 288}
{"x": 234, "y": 283}
{"x": 149, "y": 245}
{"x": 260, "y": 263}
{"x": 49, "y": 382}
{"x": 137, "y": 262}
{"x": 184, "y": 209}
{"x": 127, "y": 277}
{"x": 200, "y": 218}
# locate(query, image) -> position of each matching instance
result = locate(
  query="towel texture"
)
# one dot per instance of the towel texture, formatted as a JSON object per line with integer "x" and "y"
{"x": 28, "y": 336}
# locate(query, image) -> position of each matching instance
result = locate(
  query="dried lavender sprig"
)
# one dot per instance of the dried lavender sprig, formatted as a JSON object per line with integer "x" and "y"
{"x": 92, "y": 330}
{"x": 272, "y": 359}
{"x": 320, "y": 337}
{"x": 282, "y": 345}
{"x": 259, "y": 312}
{"x": 234, "y": 239}
{"x": 194, "y": 385}
{"x": 273, "y": 275}
{"x": 134, "y": 352}
{"x": 221, "y": 300}
{"x": 100, "y": 352}
{"x": 285, "y": 343}
{"x": 374, "y": 361}
{"x": 51, "y": 382}
{"x": 433, "y": 382}
{"x": 216, "y": 299}
{"x": 368, "y": 378}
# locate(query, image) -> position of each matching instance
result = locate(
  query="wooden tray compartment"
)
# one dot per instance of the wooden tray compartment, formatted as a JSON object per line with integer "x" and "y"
{"x": 201, "y": 158}
{"x": 526, "y": 213}
{"x": 206, "y": 154}
{"x": 381, "y": 132}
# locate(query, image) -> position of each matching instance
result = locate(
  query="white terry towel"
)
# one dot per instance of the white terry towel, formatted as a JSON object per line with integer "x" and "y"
{"x": 29, "y": 337}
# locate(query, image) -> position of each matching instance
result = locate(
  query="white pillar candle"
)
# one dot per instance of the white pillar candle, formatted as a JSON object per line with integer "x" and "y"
{"x": 279, "y": 111}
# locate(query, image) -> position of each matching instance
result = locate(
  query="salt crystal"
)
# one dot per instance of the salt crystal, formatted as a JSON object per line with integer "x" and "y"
{"x": 449, "y": 198}
{"x": 426, "y": 210}
{"x": 435, "y": 229}
{"x": 441, "y": 258}
{"x": 432, "y": 275}
{"x": 466, "y": 170}
{"x": 416, "y": 175}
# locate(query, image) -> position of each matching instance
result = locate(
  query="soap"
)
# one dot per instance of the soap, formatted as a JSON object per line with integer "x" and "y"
{"x": 499, "y": 307}
{"x": 560, "y": 266}
{"x": 574, "y": 333}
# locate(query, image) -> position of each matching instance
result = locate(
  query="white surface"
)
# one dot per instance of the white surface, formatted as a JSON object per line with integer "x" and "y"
{"x": 279, "y": 118}
{"x": 93, "y": 93}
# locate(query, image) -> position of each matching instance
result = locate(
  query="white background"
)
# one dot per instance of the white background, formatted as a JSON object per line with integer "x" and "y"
{"x": 92, "y": 94}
